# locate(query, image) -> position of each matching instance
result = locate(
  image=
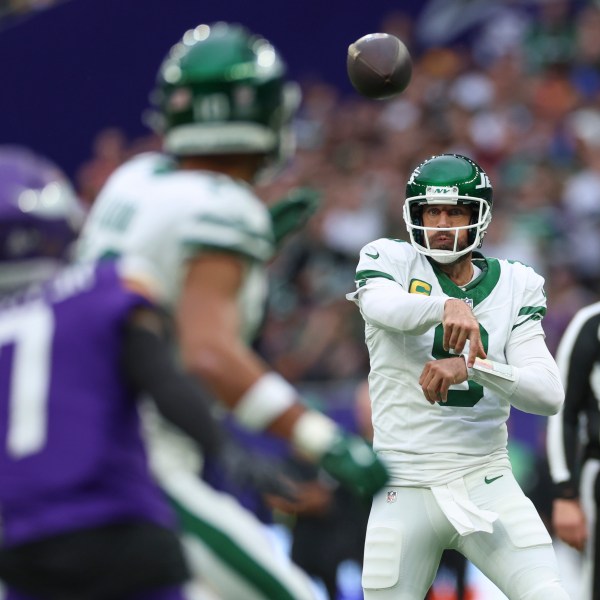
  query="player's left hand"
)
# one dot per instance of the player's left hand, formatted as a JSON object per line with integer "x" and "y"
{"x": 439, "y": 375}
{"x": 290, "y": 213}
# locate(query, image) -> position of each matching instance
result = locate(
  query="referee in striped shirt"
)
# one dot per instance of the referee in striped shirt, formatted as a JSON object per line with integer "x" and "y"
{"x": 573, "y": 445}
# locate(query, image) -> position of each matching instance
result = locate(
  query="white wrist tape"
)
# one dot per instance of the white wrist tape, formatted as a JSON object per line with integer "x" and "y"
{"x": 313, "y": 434}
{"x": 494, "y": 368}
{"x": 269, "y": 397}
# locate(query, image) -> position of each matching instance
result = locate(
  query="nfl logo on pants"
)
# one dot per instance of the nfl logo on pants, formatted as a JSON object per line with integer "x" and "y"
{"x": 391, "y": 496}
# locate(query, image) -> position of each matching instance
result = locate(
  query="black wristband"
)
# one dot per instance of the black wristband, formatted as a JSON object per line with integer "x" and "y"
{"x": 566, "y": 490}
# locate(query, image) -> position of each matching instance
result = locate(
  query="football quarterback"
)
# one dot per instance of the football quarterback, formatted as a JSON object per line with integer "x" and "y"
{"x": 455, "y": 339}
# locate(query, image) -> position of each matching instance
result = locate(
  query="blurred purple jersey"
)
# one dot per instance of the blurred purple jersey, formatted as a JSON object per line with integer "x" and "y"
{"x": 71, "y": 451}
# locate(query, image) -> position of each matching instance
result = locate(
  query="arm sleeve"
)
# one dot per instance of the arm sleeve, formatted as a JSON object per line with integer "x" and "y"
{"x": 149, "y": 367}
{"x": 578, "y": 350}
{"x": 539, "y": 389}
{"x": 380, "y": 294}
{"x": 530, "y": 379}
{"x": 533, "y": 383}
{"x": 385, "y": 304}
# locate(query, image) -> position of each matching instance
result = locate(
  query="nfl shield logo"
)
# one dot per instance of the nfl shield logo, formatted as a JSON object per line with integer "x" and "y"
{"x": 391, "y": 496}
{"x": 468, "y": 302}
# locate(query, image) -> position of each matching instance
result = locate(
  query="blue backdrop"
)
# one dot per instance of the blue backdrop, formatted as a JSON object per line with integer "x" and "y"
{"x": 89, "y": 64}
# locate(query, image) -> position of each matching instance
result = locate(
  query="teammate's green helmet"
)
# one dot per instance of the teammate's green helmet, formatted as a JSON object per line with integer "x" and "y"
{"x": 223, "y": 90}
{"x": 448, "y": 179}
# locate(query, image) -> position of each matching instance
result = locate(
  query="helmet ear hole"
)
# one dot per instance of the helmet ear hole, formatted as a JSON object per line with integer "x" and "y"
{"x": 475, "y": 217}
{"x": 416, "y": 213}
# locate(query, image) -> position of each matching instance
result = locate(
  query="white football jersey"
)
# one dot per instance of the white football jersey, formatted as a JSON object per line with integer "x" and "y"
{"x": 150, "y": 212}
{"x": 426, "y": 444}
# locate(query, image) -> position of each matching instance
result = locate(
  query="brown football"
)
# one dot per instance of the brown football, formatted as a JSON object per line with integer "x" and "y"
{"x": 379, "y": 65}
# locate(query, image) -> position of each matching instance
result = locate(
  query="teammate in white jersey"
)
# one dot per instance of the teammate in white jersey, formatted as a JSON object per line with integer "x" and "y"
{"x": 223, "y": 106}
{"x": 455, "y": 339}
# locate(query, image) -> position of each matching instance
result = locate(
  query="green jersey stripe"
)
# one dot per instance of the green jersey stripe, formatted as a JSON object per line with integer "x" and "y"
{"x": 232, "y": 554}
{"x": 362, "y": 276}
{"x": 534, "y": 313}
{"x": 531, "y": 310}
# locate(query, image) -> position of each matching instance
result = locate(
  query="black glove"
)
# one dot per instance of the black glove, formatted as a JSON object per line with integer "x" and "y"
{"x": 253, "y": 470}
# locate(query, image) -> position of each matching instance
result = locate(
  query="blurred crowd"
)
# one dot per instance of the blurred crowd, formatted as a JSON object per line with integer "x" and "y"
{"x": 519, "y": 92}
{"x": 521, "y": 97}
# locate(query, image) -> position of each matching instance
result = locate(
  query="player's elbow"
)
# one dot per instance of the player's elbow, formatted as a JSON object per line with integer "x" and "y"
{"x": 551, "y": 400}
{"x": 555, "y": 400}
{"x": 539, "y": 397}
{"x": 555, "y": 394}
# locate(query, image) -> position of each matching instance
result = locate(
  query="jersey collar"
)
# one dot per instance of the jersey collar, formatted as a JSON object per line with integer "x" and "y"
{"x": 478, "y": 289}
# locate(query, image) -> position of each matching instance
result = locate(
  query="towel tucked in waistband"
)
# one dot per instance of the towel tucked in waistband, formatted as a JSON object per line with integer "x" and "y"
{"x": 453, "y": 499}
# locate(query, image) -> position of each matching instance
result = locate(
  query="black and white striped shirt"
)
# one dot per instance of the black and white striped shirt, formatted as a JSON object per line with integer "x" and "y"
{"x": 574, "y": 433}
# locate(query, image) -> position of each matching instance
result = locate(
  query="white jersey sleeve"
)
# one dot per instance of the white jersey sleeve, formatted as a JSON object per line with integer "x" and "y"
{"x": 227, "y": 220}
{"x": 540, "y": 390}
{"x": 160, "y": 216}
{"x": 528, "y": 377}
{"x": 385, "y": 298}
{"x": 528, "y": 321}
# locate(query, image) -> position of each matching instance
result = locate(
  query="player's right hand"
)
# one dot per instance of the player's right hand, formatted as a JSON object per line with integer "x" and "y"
{"x": 568, "y": 521}
{"x": 460, "y": 325}
{"x": 351, "y": 461}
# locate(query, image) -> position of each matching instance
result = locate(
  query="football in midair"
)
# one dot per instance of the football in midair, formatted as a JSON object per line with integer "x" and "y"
{"x": 379, "y": 65}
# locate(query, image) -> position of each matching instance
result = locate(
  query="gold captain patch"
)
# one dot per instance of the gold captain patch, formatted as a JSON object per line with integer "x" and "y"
{"x": 419, "y": 287}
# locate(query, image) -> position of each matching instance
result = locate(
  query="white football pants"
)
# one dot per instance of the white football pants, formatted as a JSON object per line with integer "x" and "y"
{"x": 407, "y": 533}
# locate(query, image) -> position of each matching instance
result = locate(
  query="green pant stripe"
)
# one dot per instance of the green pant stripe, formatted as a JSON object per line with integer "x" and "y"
{"x": 232, "y": 554}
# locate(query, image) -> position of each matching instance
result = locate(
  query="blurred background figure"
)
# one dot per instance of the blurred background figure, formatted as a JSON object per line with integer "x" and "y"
{"x": 223, "y": 105}
{"x": 81, "y": 514}
{"x": 40, "y": 218}
{"x": 574, "y": 446}
{"x": 327, "y": 522}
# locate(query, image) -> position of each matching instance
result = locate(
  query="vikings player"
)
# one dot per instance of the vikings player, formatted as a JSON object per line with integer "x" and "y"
{"x": 82, "y": 515}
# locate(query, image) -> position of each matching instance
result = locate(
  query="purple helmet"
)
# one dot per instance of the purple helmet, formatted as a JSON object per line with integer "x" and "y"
{"x": 40, "y": 217}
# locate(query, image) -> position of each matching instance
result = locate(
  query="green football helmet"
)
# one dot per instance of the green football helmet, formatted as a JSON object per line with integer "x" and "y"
{"x": 223, "y": 90}
{"x": 448, "y": 179}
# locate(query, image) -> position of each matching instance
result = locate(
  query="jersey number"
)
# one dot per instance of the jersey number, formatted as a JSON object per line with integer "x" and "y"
{"x": 28, "y": 331}
{"x": 463, "y": 398}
